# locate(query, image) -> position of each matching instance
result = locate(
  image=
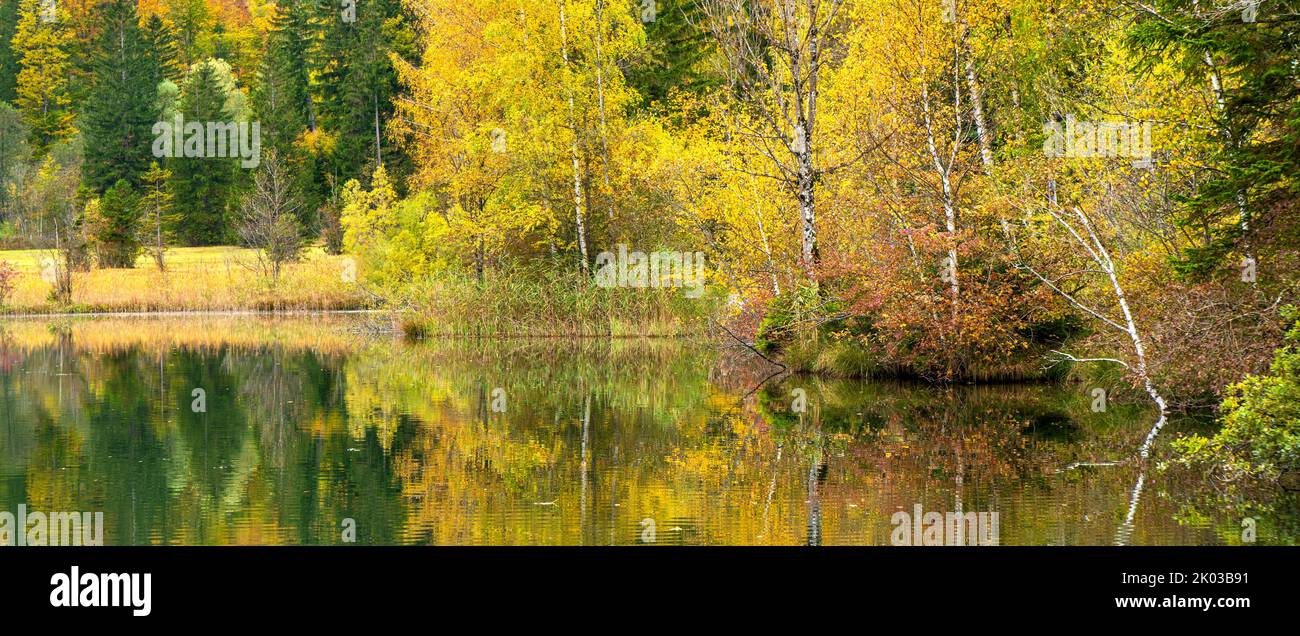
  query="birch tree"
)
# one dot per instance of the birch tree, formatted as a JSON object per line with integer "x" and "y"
{"x": 1084, "y": 238}
{"x": 579, "y": 216}
{"x": 776, "y": 53}
{"x": 923, "y": 123}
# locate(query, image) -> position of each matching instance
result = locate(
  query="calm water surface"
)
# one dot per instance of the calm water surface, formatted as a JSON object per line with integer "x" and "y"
{"x": 306, "y": 422}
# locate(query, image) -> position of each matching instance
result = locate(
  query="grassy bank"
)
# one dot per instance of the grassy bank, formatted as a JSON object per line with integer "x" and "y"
{"x": 197, "y": 279}
{"x": 537, "y": 302}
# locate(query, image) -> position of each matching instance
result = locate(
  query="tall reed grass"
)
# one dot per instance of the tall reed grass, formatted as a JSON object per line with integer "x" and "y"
{"x": 536, "y": 301}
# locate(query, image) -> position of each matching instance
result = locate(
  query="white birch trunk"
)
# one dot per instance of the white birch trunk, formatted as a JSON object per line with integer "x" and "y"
{"x": 949, "y": 205}
{"x": 1102, "y": 257}
{"x": 579, "y": 218}
{"x": 977, "y": 102}
{"x": 977, "y": 109}
{"x": 600, "y": 97}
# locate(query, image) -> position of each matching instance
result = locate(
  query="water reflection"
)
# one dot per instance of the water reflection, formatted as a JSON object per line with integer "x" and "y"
{"x": 307, "y": 422}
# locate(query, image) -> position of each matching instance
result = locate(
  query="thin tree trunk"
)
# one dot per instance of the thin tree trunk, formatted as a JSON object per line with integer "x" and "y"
{"x": 600, "y": 99}
{"x": 976, "y": 97}
{"x": 949, "y": 205}
{"x": 1131, "y": 330}
{"x": 808, "y": 211}
{"x": 158, "y": 254}
{"x": 379, "y": 154}
{"x": 767, "y": 251}
{"x": 977, "y": 110}
{"x": 582, "y": 505}
{"x": 579, "y": 218}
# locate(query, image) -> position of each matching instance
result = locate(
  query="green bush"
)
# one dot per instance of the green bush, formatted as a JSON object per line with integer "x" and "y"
{"x": 787, "y": 315}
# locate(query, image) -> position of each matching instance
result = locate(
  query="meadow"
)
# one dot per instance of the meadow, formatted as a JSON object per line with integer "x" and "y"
{"x": 197, "y": 279}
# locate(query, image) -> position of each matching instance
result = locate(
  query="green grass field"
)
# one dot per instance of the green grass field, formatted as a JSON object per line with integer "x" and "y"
{"x": 197, "y": 279}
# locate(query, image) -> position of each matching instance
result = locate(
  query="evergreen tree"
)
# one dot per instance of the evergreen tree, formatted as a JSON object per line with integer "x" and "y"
{"x": 163, "y": 49}
{"x": 283, "y": 99}
{"x": 678, "y": 51}
{"x": 8, "y": 60}
{"x": 357, "y": 85}
{"x": 202, "y": 186}
{"x": 120, "y": 112}
{"x": 114, "y": 226}
{"x": 1250, "y": 71}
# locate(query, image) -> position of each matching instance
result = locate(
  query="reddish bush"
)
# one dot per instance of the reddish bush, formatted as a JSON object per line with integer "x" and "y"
{"x": 8, "y": 276}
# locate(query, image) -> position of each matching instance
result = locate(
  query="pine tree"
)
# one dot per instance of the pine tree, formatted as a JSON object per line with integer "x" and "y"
{"x": 42, "y": 88}
{"x": 158, "y": 220}
{"x": 114, "y": 226}
{"x": 202, "y": 186}
{"x": 1249, "y": 69}
{"x": 678, "y": 48}
{"x": 120, "y": 111}
{"x": 357, "y": 85}
{"x": 163, "y": 49}
{"x": 8, "y": 59}
{"x": 283, "y": 99}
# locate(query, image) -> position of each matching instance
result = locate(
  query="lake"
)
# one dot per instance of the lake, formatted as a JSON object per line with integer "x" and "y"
{"x": 328, "y": 429}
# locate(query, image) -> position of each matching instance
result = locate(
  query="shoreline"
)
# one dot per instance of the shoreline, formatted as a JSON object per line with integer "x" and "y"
{"x": 180, "y": 313}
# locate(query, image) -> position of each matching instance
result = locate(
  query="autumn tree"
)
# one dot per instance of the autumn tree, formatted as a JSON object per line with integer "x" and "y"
{"x": 777, "y": 54}
{"x": 41, "y": 47}
{"x": 268, "y": 219}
